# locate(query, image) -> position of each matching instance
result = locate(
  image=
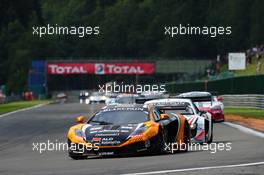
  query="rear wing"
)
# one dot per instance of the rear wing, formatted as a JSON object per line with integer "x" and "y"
{"x": 199, "y": 99}
{"x": 171, "y": 107}
{"x": 197, "y": 96}
{"x": 183, "y": 109}
{"x": 143, "y": 99}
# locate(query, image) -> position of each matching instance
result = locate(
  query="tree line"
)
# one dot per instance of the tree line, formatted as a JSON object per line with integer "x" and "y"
{"x": 128, "y": 29}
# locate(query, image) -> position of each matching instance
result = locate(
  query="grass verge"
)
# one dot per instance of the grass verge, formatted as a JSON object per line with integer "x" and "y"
{"x": 246, "y": 112}
{"x": 13, "y": 106}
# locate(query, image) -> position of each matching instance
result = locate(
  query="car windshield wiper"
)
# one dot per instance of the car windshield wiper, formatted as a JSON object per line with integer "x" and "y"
{"x": 101, "y": 122}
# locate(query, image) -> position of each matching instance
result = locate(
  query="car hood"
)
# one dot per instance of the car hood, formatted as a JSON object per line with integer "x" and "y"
{"x": 108, "y": 135}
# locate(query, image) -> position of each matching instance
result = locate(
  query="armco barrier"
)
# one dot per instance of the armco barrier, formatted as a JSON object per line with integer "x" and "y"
{"x": 241, "y": 101}
{"x": 236, "y": 85}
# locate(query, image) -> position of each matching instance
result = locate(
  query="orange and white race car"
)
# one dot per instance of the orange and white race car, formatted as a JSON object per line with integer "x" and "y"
{"x": 128, "y": 129}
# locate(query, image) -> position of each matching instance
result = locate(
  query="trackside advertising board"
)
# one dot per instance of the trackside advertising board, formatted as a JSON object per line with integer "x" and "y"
{"x": 99, "y": 68}
{"x": 236, "y": 61}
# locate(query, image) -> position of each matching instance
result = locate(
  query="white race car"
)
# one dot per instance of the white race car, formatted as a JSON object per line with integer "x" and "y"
{"x": 200, "y": 122}
{"x": 97, "y": 97}
{"x": 218, "y": 101}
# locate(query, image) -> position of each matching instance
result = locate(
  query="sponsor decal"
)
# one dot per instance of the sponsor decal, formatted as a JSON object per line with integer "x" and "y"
{"x": 124, "y": 131}
{"x": 106, "y": 130}
{"x": 126, "y": 127}
{"x": 107, "y": 138}
{"x": 107, "y": 134}
{"x": 129, "y": 68}
{"x": 137, "y": 136}
{"x": 97, "y": 139}
{"x": 123, "y": 109}
{"x": 106, "y": 153}
{"x": 70, "y": 68}
{"x": 97, "y": 128}
{"x": 100, "y": 68}
{"x": 114, "y": 142}
{"x": 109, "y": 141}
{"x": 168, "y": 103}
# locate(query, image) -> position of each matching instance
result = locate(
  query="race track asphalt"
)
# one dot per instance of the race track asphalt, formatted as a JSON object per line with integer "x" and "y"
{"x": 20, "y": 130}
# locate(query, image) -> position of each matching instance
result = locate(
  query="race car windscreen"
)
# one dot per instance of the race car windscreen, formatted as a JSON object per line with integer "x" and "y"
{"x": 119, "y": 117}
{"x": 204, "y": 104}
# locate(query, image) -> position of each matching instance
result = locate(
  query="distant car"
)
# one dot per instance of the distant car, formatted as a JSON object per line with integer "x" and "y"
{"x": 200, "y": 122}
{"x": 84, "y": 97}
{"x": 218, "y": 101}
{"x": 206, "y": 102}
{"x": 127, "y": 130}
{"x": 61, "y": 97}
{"x": 97, "y": 97}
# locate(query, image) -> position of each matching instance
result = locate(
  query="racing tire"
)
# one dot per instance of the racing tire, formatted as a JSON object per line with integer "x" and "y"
{"x": 77, "y": 157}
{"x": 186, "y": 137}
{"x": 74, "y": 155}
{"x": 211, "y": 138}
{"x": 159, "y": 142}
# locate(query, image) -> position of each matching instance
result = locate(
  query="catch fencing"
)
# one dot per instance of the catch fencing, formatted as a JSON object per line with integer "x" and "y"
{"x": 235, "y": 85}
{"x": 244, "y": 101}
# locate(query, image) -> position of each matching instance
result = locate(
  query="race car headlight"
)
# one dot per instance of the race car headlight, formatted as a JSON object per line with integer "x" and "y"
{"x": 79, "y": 133}
{"x": 193, "y": 126}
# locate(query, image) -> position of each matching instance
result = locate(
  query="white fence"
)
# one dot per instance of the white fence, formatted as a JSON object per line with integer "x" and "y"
{"x": 249, "y": 100}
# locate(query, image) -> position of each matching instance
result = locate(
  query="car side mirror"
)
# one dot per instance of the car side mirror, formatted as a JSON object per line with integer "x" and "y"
{"x": 164, "y": 116}
{"x": 80, "y": 119}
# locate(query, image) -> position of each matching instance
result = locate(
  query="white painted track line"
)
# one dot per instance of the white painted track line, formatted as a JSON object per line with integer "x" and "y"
{"x": 245, "y": 129}
{"x": 20, "y": 110}
{"x": 198, "y": 168}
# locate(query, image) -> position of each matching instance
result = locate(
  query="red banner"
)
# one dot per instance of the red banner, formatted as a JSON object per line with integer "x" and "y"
{"x": 100, "y": 68}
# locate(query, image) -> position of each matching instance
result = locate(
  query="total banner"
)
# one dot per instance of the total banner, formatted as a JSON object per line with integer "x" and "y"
{"x": 100, "y": 68}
